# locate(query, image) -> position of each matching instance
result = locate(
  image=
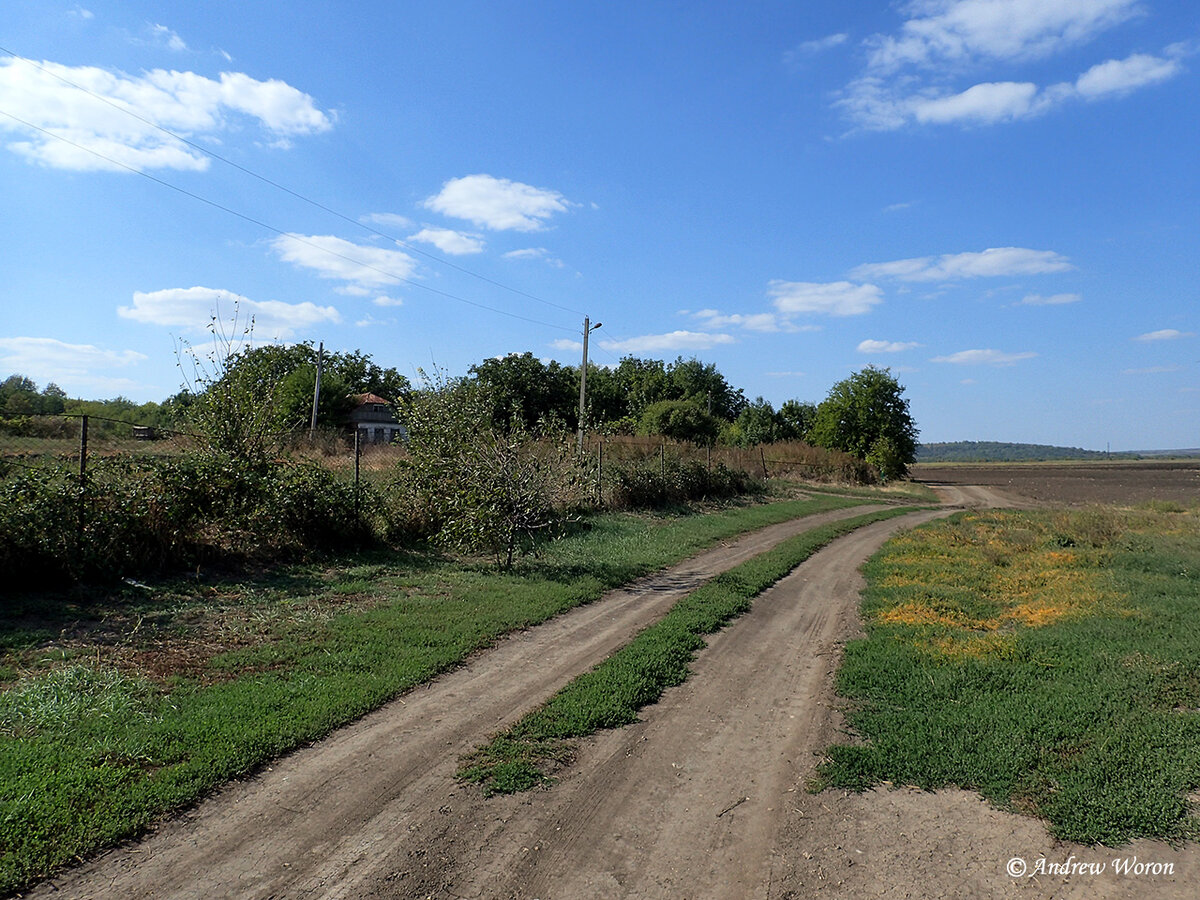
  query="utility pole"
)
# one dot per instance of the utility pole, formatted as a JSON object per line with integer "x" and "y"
{"x": 312, "y": 429}
{"x": 588, "y": 328}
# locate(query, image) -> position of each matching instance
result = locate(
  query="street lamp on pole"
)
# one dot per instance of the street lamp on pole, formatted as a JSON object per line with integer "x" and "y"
{"x": 588, "y": 328}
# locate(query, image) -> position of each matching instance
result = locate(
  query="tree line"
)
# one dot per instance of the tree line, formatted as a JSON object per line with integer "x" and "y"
{"x": 269, "y": 389}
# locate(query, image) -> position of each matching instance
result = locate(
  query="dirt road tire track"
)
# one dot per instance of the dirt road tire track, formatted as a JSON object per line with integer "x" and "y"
{"x": 317, "y": 821}
{"x": 690, "y": 801}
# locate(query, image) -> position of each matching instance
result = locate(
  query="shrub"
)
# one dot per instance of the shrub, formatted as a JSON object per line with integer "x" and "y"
{"x": 145, "y": 514}
{"x": 653, "y": 484}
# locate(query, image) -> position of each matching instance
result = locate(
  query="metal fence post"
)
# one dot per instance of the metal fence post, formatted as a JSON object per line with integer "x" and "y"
{"x": 357, "y": 457}
{"x": 83, "y": 441}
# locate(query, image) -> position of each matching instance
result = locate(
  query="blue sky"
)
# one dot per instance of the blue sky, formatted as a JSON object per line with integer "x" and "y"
{"x": 997, "y": 199}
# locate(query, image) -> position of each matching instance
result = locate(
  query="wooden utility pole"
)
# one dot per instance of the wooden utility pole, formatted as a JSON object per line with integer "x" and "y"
{"x": 588, "y": 328}
{"x": 312, "y": 429}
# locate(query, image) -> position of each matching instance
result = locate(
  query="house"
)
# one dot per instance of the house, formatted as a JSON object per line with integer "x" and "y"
{"x": 373, "y": 419}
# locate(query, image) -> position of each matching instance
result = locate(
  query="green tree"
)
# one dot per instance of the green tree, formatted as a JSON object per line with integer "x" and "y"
{"x": 522, "y": 390}
{"x": 691, "y": 379}
{"x": 294, "y": 398}
{"x": 867, "y": 416}
{"x": 757, "y": 423}
{"x": 680, "y": 420}
{"x": 642, "y": 382}
{"x": 796, "y": 419}
{"x": 478, "y": 487}
{"x": 18, "y": 396}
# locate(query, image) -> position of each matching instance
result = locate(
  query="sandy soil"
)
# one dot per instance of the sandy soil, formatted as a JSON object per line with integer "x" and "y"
{"x": 705, "y": 797}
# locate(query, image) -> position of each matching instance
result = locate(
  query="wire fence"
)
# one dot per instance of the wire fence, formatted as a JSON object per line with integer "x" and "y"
{"x": 81, "y": 441}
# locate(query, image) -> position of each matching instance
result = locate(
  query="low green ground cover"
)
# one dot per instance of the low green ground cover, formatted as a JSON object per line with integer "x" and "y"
{"x": 612, "y": 693}
{"x": 1048, "y": 660}
{"x": 119, "y": 708}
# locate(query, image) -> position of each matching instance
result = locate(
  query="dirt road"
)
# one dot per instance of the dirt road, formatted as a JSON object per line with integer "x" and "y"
{"x": 705, "y": 797}
{"x": 317, "y": 823}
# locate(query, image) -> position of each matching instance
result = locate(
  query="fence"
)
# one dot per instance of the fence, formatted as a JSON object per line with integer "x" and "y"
{"x": 87, "y": 494}
{"x": 786, "y": 460}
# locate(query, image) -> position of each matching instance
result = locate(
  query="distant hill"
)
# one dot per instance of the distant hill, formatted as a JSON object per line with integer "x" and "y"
{"x": 996, "y": 451}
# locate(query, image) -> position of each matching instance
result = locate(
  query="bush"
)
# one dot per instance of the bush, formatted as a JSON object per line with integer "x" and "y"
{"x": 147, "y": 515}
{"x": 473, "y": 487}
{"x": 650, "y": 484}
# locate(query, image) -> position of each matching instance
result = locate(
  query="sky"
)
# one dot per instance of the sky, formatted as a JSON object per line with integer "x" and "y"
{"x": 995, "y": 199}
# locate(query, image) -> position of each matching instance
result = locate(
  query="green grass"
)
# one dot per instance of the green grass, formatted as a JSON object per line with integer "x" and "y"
{"x": 612, "y": 693}
{"x": 1048, "y": 660}
{"x": 307, "y": 649}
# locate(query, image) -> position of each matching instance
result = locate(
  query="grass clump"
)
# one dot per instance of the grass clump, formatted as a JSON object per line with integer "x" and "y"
{"x": 1048, "y": 660}
{"x": 69, "y": 696}
{"x": 612, "y": 694}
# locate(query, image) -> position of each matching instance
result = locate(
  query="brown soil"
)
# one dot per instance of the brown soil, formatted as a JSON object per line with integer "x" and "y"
{"x": 1075, "y": 483}
{"x": 705, "y": 797}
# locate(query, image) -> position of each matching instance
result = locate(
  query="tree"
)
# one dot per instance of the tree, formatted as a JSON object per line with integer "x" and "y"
{"x": 757, "y": 423}
{"x": 796, "y": 419}
{"x": 476, "y": 487}
{"x": 680, "y": 420}
{"x": 867, "y": 416}
{"x": 522, "y": 390}
{"x": 642, "y": 382}
{"x": 691, "y": 379}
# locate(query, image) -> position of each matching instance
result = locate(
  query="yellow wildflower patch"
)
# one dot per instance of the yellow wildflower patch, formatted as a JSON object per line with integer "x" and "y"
{"x": 912, "y": 613}
{"x": 1012, "y": 569}
{"x": 977, "y": 646}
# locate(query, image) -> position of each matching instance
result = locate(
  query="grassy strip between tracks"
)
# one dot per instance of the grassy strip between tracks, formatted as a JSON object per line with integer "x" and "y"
{"x": 612, "y": 693}
{"x": 1049, "y": 660}
{"x": 99, "y": 737}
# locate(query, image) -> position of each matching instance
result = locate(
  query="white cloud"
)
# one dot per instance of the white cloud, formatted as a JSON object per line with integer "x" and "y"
{"x": 886, "y": 346}
{"x": 957, "y": 31}
{"x": 497, "y": 203}
{"x": 1153, "y": 370}
{"x": 764, "y": 322}
{"x": 388, "y": 220}
{"x": 384, "y": 300}
{"x": 908, "y": 76}
{"x": 567, "y": 344}
{"x": 1052, "y": 300}
{"x": 536, "y": 253}
{"x": 183, "y": 102}
{"x": 813, "y": 47}
{"x": 990, "y": 263}
{"x": 983, "y": 103}
{"x": 167, "y": 37}
{"x": 192, "y": 309}
{"x": 456, "y": 243}
{"x": 47, "y": 359}
{"x": 675, "y": 340}
{"x": 1120, "y": 76}
{"x": 363, "y": 268}
{"x": 839, "y": 298}
{"x": 1165, "y": 334}
{"x": 983, "y": 358}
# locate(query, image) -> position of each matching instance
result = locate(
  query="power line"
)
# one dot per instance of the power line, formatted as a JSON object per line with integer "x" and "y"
{"x": 315, "y": 203}
{"x": 279, "y": 231}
